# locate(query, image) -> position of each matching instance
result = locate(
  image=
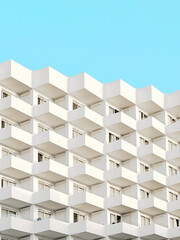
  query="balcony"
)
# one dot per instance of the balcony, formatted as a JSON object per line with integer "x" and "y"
{"x": 15, "y": 167}
{"x": 174, "y": 233}
{"x": 87, "y": 230}
{"x": 50, "y": 228}
{"x": 122, "y": 203}
{"x": 152, "y": 180}
{"x": 122, "y": 231}
{"x": 86, "y": 119}
{"x": 152, "y": 206}
{"x": 173, "y": 182}
{"x": 150, "y": 99}
{"x": 120, "y": 123}
{"x": 122, "y": 177}
{"x": 50, "y": 142}
{"x": 86, "y": 201}
{"x": 15, "y": 138}
{"x": 15, "y": 227}
{"x": 49, "y": 82}
{"x": 15, "y": 109}
{"x": 173, "y": 131}
{"x": 121, "y": 150}
{"x": 173, "y": 208}
{"x": 86, "y": 146}
{"x": 153, "y": 231}
{"x": 15, "y": 77}
{"x": 151, "y": 154}
{"x": 173, "y": 156}
{"x": 50, "y": 199}
{"x": 86, "y": 174}
{"x": 50, "y": 170}
{"x": 15, "y": 197}
{"x": 120, "y": 94}
{"x": 85, "y": 88}
{"x": 151, "y": 128}
{"x": 50, "y": 113}
{"x": 173, "y": 103}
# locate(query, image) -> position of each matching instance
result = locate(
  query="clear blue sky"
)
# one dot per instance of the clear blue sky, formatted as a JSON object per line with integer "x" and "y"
{"x": 135, "y": 40}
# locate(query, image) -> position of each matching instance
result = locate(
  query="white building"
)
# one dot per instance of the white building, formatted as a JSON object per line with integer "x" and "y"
{"x": 83, "y": 160}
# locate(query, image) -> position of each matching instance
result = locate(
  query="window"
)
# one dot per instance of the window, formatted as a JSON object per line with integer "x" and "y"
{"x": 143, "y": 168}
{"x": 113, "y": 137}
{"x": 42, "y": 128}
{"x": 113, "y": 110}
{"x": 173, "y": 196}
{"x": 43, "y": 214}
{"x": 113, "y": 164}
{"x": 5, "y": 212}
{"x": 5, "y": 182}
{"x": 145, "y": 221}
{"x": 172, "y": 171}
{"x": 142, "y": 115}
{"x": 6, "y": 152}
{"x": 43, "y": 185}
{"x": 144, "y": 194}
{"x": 77, "y": 160}
{"x": 5, "y": 123}
{"x": 174, "y": 222}
{"x": 171, "y": 145}
{"x": 77, "y": 216}
{"x": 78, "y": 188}
{"x": 5, "y": 94}
{"x": 114, "y": 191}
{"x": 143, "y": 142}
{"x": 77, "y": 133}
{"x": 42, "y": 157}
{"x": 171, "y": 119}
{"x": 76, "y": 105}
{"x": 41, "y": 100}
{"x": 115, "y": 218}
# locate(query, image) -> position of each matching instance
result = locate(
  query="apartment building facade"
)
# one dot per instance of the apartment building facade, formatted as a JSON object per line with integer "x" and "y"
{"x": 84, "y": 160}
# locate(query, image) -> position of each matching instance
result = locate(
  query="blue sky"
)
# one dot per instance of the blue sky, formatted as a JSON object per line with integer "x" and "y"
{"x": 135, "y": 40}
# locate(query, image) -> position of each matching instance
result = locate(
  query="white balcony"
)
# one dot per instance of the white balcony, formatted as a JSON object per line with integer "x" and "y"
{"x": 173, "y": 208}
{"x": 121, "y": 150}
{"x": 152, "y": 180}
{"x": 120, "y": 123}
{"x": 86, "y": 119}
{"x": 50, "y": 170}
{"x": 85, "y": 88}
{"x": 15, "y": 109}
{"x": 86, "y": 174}
{"x": 50, "y": 142}
{"x": 15, "y": 197}
{"x": 151, "y": 154}
{"x": 50, "y": 199}
{"x": 120, "y": 94}
{"x": 122, "y": 177}
{"x": 151, "y": 127}
{"x": 153, "y": 231}
{"x": 15, "y": 227}
{"x": 174, "y": 233}
{"x": 122, "y": 203}
{"x": 87, "y": 230}
{"x": 173, "y": 103}
{"x": 15, "y": 167}
{"x": 122, "y": 231}
{"x": 15, "y": 138}
{"x": 50, "y": 228}
{"x": 173, "y": 156}
{"x": 15, "y": 77}
{"x": 152, "y": 206}
{"x": 49, "y": 82}
{"x": 50, "y": 113}
{"x": 86, "y": 146}
{"x": 87, "y": 202}
{"x": 173, "y": 131}
{"x": 150, "y": 99}
{"x": 173, "y": 182}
